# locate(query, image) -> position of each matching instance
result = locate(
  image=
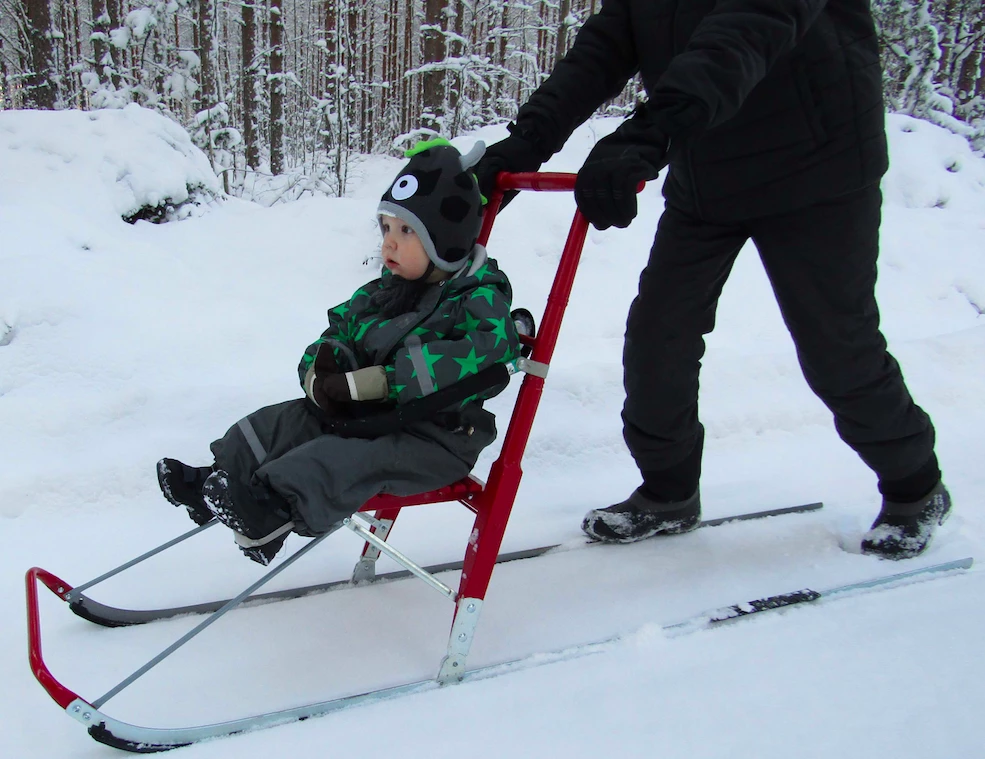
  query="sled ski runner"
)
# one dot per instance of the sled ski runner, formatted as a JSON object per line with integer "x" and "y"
{"x": 122, "y": 735}
{"x": 111, "y": 616}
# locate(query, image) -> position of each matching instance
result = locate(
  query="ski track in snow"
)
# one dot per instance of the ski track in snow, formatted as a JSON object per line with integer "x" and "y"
{"x": 121, "y": 344}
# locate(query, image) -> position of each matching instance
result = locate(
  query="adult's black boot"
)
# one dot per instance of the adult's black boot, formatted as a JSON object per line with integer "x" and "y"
{"x": 182, "y": 486}
{"x": 639, "y": 518}
{"x": 260, "y": 526}
{"x": 904, "y": 530}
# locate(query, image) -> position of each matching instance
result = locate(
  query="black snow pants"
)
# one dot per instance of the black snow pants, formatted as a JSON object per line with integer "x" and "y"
{"x": 821, "y": 263}
{"x": 282, "y": 456}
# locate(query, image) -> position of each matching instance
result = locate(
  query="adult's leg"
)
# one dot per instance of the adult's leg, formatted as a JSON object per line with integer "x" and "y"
{"x": 821, "y": 262}
{"x": 678, "y": 295}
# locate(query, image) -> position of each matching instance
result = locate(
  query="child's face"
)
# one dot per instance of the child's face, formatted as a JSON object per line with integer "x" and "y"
{"x": 403, "y": 252}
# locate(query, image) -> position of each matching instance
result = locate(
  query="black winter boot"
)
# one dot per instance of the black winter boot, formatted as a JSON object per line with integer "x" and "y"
{"x": 261, "y": 528}
{"x": 638, "y": 518}
{"x": 182, "y": 486}
{"x": 904, "y": 530}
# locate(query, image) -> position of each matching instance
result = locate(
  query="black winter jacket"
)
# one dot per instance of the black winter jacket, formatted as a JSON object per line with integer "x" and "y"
{"x": 769, "y": 105}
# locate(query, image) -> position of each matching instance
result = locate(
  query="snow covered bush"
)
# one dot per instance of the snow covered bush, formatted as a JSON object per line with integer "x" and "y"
{"x": 128, "y": 164}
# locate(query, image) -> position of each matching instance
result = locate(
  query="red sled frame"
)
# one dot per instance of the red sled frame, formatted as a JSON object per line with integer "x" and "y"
{"x": 491, "y": 503}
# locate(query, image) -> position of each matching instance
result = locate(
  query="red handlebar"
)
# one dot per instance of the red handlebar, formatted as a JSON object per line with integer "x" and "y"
{"x": 539, "y": 181}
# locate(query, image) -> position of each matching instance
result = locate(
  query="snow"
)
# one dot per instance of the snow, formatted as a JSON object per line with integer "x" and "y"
{"x": 120, "y": 344}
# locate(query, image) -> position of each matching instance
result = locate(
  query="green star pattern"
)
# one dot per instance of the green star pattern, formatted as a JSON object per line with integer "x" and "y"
{"x": 431, "y": 359}
{"x": 484, "y": 292}
{"x": 363, "y": 327}
{"x": 470, "y": 364}
{"x": 470, "y": 324}
{"x": 499, "y": 331}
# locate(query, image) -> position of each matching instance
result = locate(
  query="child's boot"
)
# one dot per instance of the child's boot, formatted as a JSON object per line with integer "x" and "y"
{"x": 904, "y": 530}
{"x": 261, "y": 528}
{"x": 182, "y": 486}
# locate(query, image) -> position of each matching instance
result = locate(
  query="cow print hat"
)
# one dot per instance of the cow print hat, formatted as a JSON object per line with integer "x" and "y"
{"x": 436, "y": 195}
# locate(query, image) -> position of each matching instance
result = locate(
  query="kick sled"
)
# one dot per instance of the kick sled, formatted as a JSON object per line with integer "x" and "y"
{"x": 490, "y": 502}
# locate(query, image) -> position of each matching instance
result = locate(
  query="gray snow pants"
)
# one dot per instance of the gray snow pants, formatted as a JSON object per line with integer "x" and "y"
{"x": 282, "y": 455}
{"x": 821, "y": 262}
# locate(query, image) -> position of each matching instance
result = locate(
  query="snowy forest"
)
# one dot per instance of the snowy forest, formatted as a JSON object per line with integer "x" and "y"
{"x": 291, "y": 92}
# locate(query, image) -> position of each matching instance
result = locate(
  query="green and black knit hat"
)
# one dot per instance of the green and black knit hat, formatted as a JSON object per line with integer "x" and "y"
{"x": 436, "y": 195}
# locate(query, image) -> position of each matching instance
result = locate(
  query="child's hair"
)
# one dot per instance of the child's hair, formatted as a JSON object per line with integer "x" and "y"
{"x": 437, "y": 195}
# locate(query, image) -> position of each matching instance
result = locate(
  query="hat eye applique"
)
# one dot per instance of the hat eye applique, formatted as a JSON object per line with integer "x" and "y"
{"x": 405, "y": 187}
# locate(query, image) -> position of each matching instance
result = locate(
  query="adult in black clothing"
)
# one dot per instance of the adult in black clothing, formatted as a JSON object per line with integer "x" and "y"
{"x": 769, "y": 114}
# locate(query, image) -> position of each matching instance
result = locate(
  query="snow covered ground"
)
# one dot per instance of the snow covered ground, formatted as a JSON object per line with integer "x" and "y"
{"x": 120, "y": 344}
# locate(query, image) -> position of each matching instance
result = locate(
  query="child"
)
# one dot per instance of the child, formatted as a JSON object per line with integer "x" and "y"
{"x": 439, "y": 313}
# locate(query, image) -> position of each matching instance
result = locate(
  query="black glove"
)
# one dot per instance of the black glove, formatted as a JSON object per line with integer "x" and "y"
{"x": 605, "y": 188}
{"x": 514, "y": 154}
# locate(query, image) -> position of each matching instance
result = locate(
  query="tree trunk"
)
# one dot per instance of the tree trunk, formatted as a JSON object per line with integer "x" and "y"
{"x": 968, "y": 58}
{"x": 117, "y": 57}
{"x": 5, "y": 100}
{"x": 433, "y": 79}
{"x": 99, "y": 39}
{"x": 353, "y": 115}
{"x": 40, "y": 88}
{"x": 408, "y": 102}
{"x": 454, "y": 80}
{"x": 330, "y": 83}
{"x": 391, "y": 69}
{"x": 561, "y": 42}
{"x": 248, "y": 80}
{"x": 68, "y": 71}
{"x": 276, "y": 88}
{"x": 206, "y": 18}
{"x": 366, "y": 94}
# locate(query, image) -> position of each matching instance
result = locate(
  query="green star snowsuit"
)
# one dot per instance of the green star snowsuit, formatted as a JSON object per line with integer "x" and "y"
{"x": 462, "y": 326}
{"x": 459, "y": 327}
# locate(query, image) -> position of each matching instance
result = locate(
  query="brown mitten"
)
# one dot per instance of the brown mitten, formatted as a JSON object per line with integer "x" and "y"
{"x": 367, "y": 384}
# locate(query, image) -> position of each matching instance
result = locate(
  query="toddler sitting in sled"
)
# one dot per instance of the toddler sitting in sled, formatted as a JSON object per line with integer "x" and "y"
{"x": 438, "y": 314}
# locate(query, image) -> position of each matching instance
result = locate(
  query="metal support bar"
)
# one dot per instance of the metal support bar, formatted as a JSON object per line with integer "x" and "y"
{"x": 77, "y": 591}
{"x": 397, "y": 556}
{"x": 230, "y": 605}
{"x": 379, "y": 524}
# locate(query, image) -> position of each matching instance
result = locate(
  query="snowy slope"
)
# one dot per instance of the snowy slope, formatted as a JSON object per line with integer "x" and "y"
{"x": 120, "y": 344}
